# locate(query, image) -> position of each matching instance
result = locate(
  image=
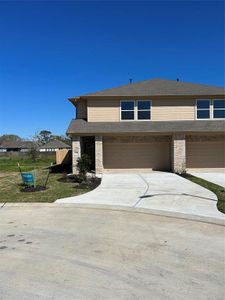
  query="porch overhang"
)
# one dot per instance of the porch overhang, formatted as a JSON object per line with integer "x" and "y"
{"x": 82, "y": 127}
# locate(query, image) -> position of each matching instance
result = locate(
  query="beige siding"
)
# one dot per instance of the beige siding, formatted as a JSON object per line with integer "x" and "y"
{"x": 167, "y": 110}
{"x": 205, "y": 154}
{"x": 81, "y": 109}
{"x": 103, "y": 110}
{"x": 148, "y": 155}
{"x": 163, "y": 109}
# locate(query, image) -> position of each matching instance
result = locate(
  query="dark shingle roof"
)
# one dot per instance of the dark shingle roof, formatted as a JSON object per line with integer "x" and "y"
{"x": 79, "y": 126}
{"x": 55, "y": 144}
{"x": 160, "y": 87}
{"x": 16, "y": 145}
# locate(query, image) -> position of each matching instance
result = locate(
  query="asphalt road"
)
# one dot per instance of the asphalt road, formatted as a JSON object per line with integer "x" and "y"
{"x": 57, "y": 252}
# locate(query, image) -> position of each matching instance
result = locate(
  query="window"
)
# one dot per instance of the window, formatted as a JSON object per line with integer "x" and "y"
{"x": 135, "y": 110}
{"x": 211, "y": 109}
{"x": 219, "y": 109}
{"x": 203, "y": 109}
{"x": 143, "y": 110}
{"x": 127, "y": 110}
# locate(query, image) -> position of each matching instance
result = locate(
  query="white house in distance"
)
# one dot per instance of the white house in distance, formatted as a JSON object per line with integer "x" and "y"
{"x": 15, "y": 146}
{"x": 53, "y": 146}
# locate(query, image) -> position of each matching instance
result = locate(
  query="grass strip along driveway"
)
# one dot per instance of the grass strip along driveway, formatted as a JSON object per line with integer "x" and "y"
{"x": 10, "y": 182}
{"x": 216, "y": 189}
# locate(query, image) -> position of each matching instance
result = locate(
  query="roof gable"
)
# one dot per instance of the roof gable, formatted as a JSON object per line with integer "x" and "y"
{"x": 55, "y": 144}
{"x": 160, "y": 87}
{"x": 16, "y": 145}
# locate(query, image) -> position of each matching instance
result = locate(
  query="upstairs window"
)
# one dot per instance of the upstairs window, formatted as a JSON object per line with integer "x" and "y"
{"x": 127, "y": 110}
{"x": 218, "y": 109}
{"x": 203, "y": 109}
{"x": 143, "y": 110}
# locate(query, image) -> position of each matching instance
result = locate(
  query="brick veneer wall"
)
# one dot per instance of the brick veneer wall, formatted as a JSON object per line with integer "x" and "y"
{"x": 76, "y": 152}
{"x": 98, "y": 154}
{"x": 178, "y": 153}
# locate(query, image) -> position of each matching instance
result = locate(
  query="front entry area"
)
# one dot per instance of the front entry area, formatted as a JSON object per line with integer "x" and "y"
{"x": 177, "y": 152}
{"x": 137, "y": 152}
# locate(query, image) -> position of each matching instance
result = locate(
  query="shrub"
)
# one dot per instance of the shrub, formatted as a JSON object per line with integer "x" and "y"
{"x": 33, "y": 153}
{"x": 83, "y": 166}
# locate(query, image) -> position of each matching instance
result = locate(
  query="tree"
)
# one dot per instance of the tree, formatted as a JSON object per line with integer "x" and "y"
{"x": 42, "y": 137}
{"x": 10, "y": 138}
{"x": 33, "y": 152}
{"x": 45, "y": 136}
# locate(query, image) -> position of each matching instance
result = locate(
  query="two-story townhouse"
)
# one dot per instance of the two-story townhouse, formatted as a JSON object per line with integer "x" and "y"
{"x": 151, "y": 125}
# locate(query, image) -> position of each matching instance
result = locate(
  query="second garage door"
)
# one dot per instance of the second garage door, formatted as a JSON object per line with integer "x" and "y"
{"x": 205, "y": 154}
{"x": 138, "y": 154}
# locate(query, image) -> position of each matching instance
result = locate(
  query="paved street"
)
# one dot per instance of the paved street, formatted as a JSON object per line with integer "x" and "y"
{"x": 50, "y": 251}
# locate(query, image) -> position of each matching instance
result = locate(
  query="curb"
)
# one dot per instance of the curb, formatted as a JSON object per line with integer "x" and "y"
{"x": 177, "y": 215}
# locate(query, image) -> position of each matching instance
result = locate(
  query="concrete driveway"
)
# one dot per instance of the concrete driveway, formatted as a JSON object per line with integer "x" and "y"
{"x": 215, "y": 177}
{"x": 159, "y": 191}
{"x": 52, "y": 252}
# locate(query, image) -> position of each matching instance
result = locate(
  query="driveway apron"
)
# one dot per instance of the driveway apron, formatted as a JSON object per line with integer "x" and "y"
{"x": 158, "y": 191}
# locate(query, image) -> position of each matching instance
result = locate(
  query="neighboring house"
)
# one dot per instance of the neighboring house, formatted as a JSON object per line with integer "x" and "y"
{"x": 151, "y": 125}
{"x": 53, "y": 145}
{"x": 16, "y": 146}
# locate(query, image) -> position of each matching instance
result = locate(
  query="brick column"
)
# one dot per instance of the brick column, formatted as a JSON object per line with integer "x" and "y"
{"x": 178, "y": 153}
{"x": 98, "y": 155}
{"x": 76, "y": 152}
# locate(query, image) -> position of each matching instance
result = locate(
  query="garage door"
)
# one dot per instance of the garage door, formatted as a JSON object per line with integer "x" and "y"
{"x": 205, "y": 154}
{"x": 136, "y": 155}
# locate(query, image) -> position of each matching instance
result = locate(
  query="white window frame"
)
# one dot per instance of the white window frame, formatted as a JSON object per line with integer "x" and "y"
{"x": 127, "y": 110}
{"x": 217, "y": 109}
{"x": 136, "y": 110}
{"x": 196, "y": 109}
{"x": 150, "y": 109}
{"x": 211, "y": 106}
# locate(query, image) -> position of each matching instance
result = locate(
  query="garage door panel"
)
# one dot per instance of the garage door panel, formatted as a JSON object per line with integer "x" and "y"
{"x": 205, "y": 154}
{"x": 154, "y": 156}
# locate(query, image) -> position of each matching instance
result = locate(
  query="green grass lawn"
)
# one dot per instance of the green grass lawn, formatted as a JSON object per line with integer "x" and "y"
{"x": 216, "y": 189}
{"x": 10, "y": 182}
{"x": 10, "y": 164}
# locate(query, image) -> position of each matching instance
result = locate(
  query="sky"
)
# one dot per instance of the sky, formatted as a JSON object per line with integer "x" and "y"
{"x": 50, "y": 51}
